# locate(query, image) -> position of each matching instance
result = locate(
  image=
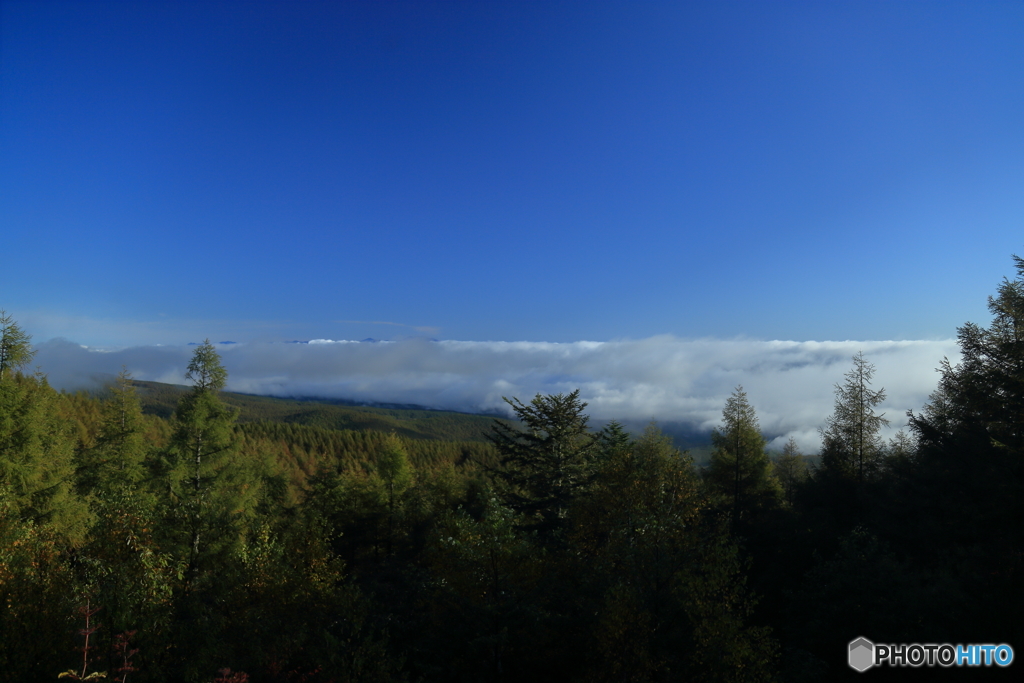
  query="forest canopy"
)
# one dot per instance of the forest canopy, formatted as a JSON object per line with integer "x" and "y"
{"x": 203, "y": 540}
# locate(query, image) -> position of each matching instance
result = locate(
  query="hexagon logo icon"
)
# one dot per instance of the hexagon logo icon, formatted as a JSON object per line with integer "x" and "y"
{"x": 862, "y": 654}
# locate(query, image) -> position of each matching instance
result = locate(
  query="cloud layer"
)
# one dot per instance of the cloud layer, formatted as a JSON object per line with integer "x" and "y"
{"x": 790, "y": 384}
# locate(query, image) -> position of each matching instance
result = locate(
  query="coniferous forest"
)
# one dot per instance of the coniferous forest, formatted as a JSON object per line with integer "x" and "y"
{"x": 191, "y": 545}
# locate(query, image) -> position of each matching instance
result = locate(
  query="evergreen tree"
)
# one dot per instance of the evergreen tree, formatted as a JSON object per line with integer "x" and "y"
{"x": 669, "y": 600}
{"x": 790, "y": 469}
{"x": 115, "y": 461}
{"x": 613, "y": 439}
{"x": 37, "y": 456}
{"x": 970, "y": 445}
{"x": 485, "y": 620}
{"x": 851, "y": 446}
{"x": 396, "y": 476}
{"x": 15, "y": 345}
{"x": 203, "y": 481}
{"x": 739, "y": 467}
{"x": 547, "y": 464}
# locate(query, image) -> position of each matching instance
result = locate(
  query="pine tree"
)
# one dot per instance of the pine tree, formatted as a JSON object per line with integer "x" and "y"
{"x": 851, "y": 445}
{"x": 739, "y": 467}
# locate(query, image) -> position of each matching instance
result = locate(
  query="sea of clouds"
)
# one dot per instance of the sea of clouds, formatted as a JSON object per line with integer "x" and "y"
{"x": 790, "y": 384}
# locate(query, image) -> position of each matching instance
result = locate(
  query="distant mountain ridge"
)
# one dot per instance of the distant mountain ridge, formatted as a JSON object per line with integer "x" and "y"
{"x": 408, "y": 420}
{"x": 411, "y": 421}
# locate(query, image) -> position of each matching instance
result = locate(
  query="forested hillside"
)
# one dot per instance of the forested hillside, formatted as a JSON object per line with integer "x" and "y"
{"x": 157, "y": 533}
{"x": 162, "y": 399}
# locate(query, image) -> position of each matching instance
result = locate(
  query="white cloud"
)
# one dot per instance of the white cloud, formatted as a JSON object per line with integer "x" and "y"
{"x": 791, "y": 384}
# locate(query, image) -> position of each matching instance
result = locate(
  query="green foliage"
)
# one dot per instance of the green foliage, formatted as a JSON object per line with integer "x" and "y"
{"x": 966, "y": 487}
{"x": 483, "y": 613}
{"x": 36, "y": 456}
{"x": 212, "y": 545}
{"x": 640, "y": 494}
{"x": 740, "y": 469}
{"x": 265, "y": 539}
{"x": 712, "y": 589}
{"x": 205, "y": 371}
{"x": 548, "y": 462}
{"x": 670, "y": 594}
{"x": 161, "y": 399}
{"x": 393, "y": 468}
{"x": 115, "y": 462}
{"x": 612, "y": 440}
{"x": 124, "y": 569}
{"x": 851, "y": 446}
{"x": 790, "y": 469}
{"x": 297, "y": 453}
{"x": 293, "y": 595}
{"x": 211, "y": 491}
{"x": 35, "y": 603}
{"x": 15, "y": 346}
{"x": 395, "y": 476}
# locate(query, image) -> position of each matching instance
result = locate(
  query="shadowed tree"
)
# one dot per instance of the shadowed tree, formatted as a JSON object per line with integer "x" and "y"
{"x": 790, "y": 469}
{"x": 851, "y": 446}
{"x": 668, "y": 600}
{"x": 548, "y": 462}
{"x": 396, "y": 476}
{"x": 969, "y": 483}
{"x": 739, "y": 467}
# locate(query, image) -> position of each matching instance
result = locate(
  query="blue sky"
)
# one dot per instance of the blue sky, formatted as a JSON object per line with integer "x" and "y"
{"x": 509, "y": 171}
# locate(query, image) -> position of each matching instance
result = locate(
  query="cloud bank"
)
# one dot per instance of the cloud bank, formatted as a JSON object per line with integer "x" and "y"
{"x": 789, "y": 383}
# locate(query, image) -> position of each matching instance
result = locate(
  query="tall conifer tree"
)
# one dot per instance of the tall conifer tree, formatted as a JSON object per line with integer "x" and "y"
{"x": 790, "y": 469}
{"x": 851, "y": 445}
{"x": 116, "y": 460}
{"x": 739, "y": 467}
{"x": 970, "y": 437}
{"x": 550, "y": 461}
{"x": 202, "y": 447}
{"x": 15, "y": 345}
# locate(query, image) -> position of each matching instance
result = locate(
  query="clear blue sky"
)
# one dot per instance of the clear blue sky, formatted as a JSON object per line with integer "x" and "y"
{"x": 508, "y": 171}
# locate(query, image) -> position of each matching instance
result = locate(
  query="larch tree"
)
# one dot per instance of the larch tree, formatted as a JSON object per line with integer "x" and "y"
{"x": 15, "y": 346}
{"x": 851, "y": 445}
{"x": 790, "y": 469}
{"x": 396, "y": 476}
{"x": 36, "y": 443}
{"x": 739, "y": 467}
{"x": 672, "y": 601}
{"x": 204, "y": 481}
{"x": 116, "y": 461}
{"x": 37, "y": 446}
